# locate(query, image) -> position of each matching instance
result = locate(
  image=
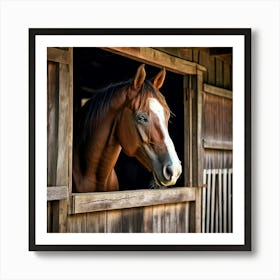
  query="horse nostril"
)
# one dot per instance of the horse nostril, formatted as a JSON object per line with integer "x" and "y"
{"x": 168, "y": 172}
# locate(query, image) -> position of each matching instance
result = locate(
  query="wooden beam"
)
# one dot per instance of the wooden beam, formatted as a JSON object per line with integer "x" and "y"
{"x": 57, "y": 193}
{"x": 217, "y": 145}
{"x": 157, "y": 58}
{"x": 91, "y": 202}
{"x": 59, "y": 55}
{"x": 217, "y": 91}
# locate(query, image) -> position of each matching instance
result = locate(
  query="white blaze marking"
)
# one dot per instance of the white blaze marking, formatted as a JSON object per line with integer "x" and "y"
{"x": 157, "y": 108}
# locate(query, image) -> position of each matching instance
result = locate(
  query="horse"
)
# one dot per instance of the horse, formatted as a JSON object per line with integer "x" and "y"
{"x": 131, "y": 116}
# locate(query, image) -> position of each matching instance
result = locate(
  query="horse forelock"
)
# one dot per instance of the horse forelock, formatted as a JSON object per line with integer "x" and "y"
{"x": 147, "y": 91}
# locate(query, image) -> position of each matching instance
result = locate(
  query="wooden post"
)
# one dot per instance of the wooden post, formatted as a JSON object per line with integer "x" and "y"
{"x": 187, "y": 142}
{"x": 63, "y": 60}
{"x": 199, "y": 151}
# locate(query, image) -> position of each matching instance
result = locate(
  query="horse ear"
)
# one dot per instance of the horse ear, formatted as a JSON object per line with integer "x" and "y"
{"x": 139, "y": 77}
{"x": 159, "y": 79}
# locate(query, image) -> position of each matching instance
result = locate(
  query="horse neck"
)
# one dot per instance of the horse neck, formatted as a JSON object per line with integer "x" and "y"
{"x": 103, "y": 151}
{"x": 103, "y": 167}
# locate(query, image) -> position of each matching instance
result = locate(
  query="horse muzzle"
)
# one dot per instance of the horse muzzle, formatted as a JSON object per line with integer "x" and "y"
{"x": 167, "y": 174}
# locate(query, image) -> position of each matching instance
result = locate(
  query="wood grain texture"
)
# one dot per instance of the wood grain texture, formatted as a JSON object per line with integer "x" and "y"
{"x": 222, "y": 92}
{"x": 58, "y": 86}
{"x": 96, "y": 222}
{"x": 148, "y": 219}
{"x": 52, "y": 115}
{"x": 77, "y": 223}
{"x": 90, "y": 202}
{"x": 63, "y": 124}
{"x": 59, "y": 55}
{"x": 57, "y": 192}
{"x": 114, "y": 221}
{"x": 158, "y": 219}
{"x": 217, "y": 144}
{"x": 157, "y": 58}
{"x": 70, "y": 128}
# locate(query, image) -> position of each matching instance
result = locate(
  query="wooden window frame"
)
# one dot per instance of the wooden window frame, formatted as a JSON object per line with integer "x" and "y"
{"x": 92, "y": 202}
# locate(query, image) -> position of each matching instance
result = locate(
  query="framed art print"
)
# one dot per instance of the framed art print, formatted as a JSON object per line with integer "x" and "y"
{"x": 140, "y": 139}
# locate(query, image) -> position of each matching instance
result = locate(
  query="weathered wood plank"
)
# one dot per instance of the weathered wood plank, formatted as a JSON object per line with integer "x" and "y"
{"x": 200, "y": 151}
{"x": 57, "y": 192}
{"x": 219, "y": 73}
{"x": 227, "y": 76}
{"x": 90, "y": 202}
{"x": 148, "y": 219}
{"x": 49, "y": 216}
{"x": 63, "y": 123}
{"x": 211, "y": 68}
{"x": 58, "y": 55}
{"x": 217, "y": 144}
{"x": 187, "y": 149}
{"x": 132, "y": 220}
{"x": 170, "y": 219}
{"x": 157, "y": 58}
{"x": 114, "y": 221}
{"x": 158, "y": 219}
{"x": 77, "y": 223}
{"x": 96, "y": 222}
{"x": 58, "y": 89}
{"x": 182, "y": 217}
{"x": 70, "y": 128}
{"x": 186, "y": 53}
{"x": 59, "y": 215}
{"x": 52, "y": 126}
{"x": 217, "y": 91}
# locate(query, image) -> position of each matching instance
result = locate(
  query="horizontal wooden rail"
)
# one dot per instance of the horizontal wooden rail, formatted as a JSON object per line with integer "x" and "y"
{"x": 217, "y": 91}
{"x": 91, "y": 202}
{"x": 157, "y": 58}
{"x": 217, "y": 145}
{"x": 57, "y": 192}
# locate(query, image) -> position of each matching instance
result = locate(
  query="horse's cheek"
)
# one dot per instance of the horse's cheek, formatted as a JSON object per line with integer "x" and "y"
{"x": 126, "y": 135}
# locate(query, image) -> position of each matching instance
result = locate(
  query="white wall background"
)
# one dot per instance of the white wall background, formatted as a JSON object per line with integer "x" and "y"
{"x": 16, "y": 262}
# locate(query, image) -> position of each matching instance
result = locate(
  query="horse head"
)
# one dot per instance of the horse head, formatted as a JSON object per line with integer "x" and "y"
{"x": 143, "y": 128}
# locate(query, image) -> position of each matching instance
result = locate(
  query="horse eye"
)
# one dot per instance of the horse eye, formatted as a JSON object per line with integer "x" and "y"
{"x": 142, "y": 118}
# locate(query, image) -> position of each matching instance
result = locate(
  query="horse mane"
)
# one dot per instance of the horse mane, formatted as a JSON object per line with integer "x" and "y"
{"x": 91, "y": 113}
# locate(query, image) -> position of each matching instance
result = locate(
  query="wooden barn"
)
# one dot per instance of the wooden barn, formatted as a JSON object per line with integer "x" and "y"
{"x": 198, "y": 90}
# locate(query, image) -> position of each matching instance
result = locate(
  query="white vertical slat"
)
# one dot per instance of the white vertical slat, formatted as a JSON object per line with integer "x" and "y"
{"x": 220, "y": 200}
{"x": 216, "y": 213}
{"x": 203, "y": 216}
{"x": 217, "y": 200}
{"x": 213, "y": 189}
{"x": 208, "y": 200}
{"x": 225, "y": 199}
{"x": 230, "y": 200}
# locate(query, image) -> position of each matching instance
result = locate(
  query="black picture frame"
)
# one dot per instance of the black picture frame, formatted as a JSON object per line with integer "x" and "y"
{"x": 33, "y": 245}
